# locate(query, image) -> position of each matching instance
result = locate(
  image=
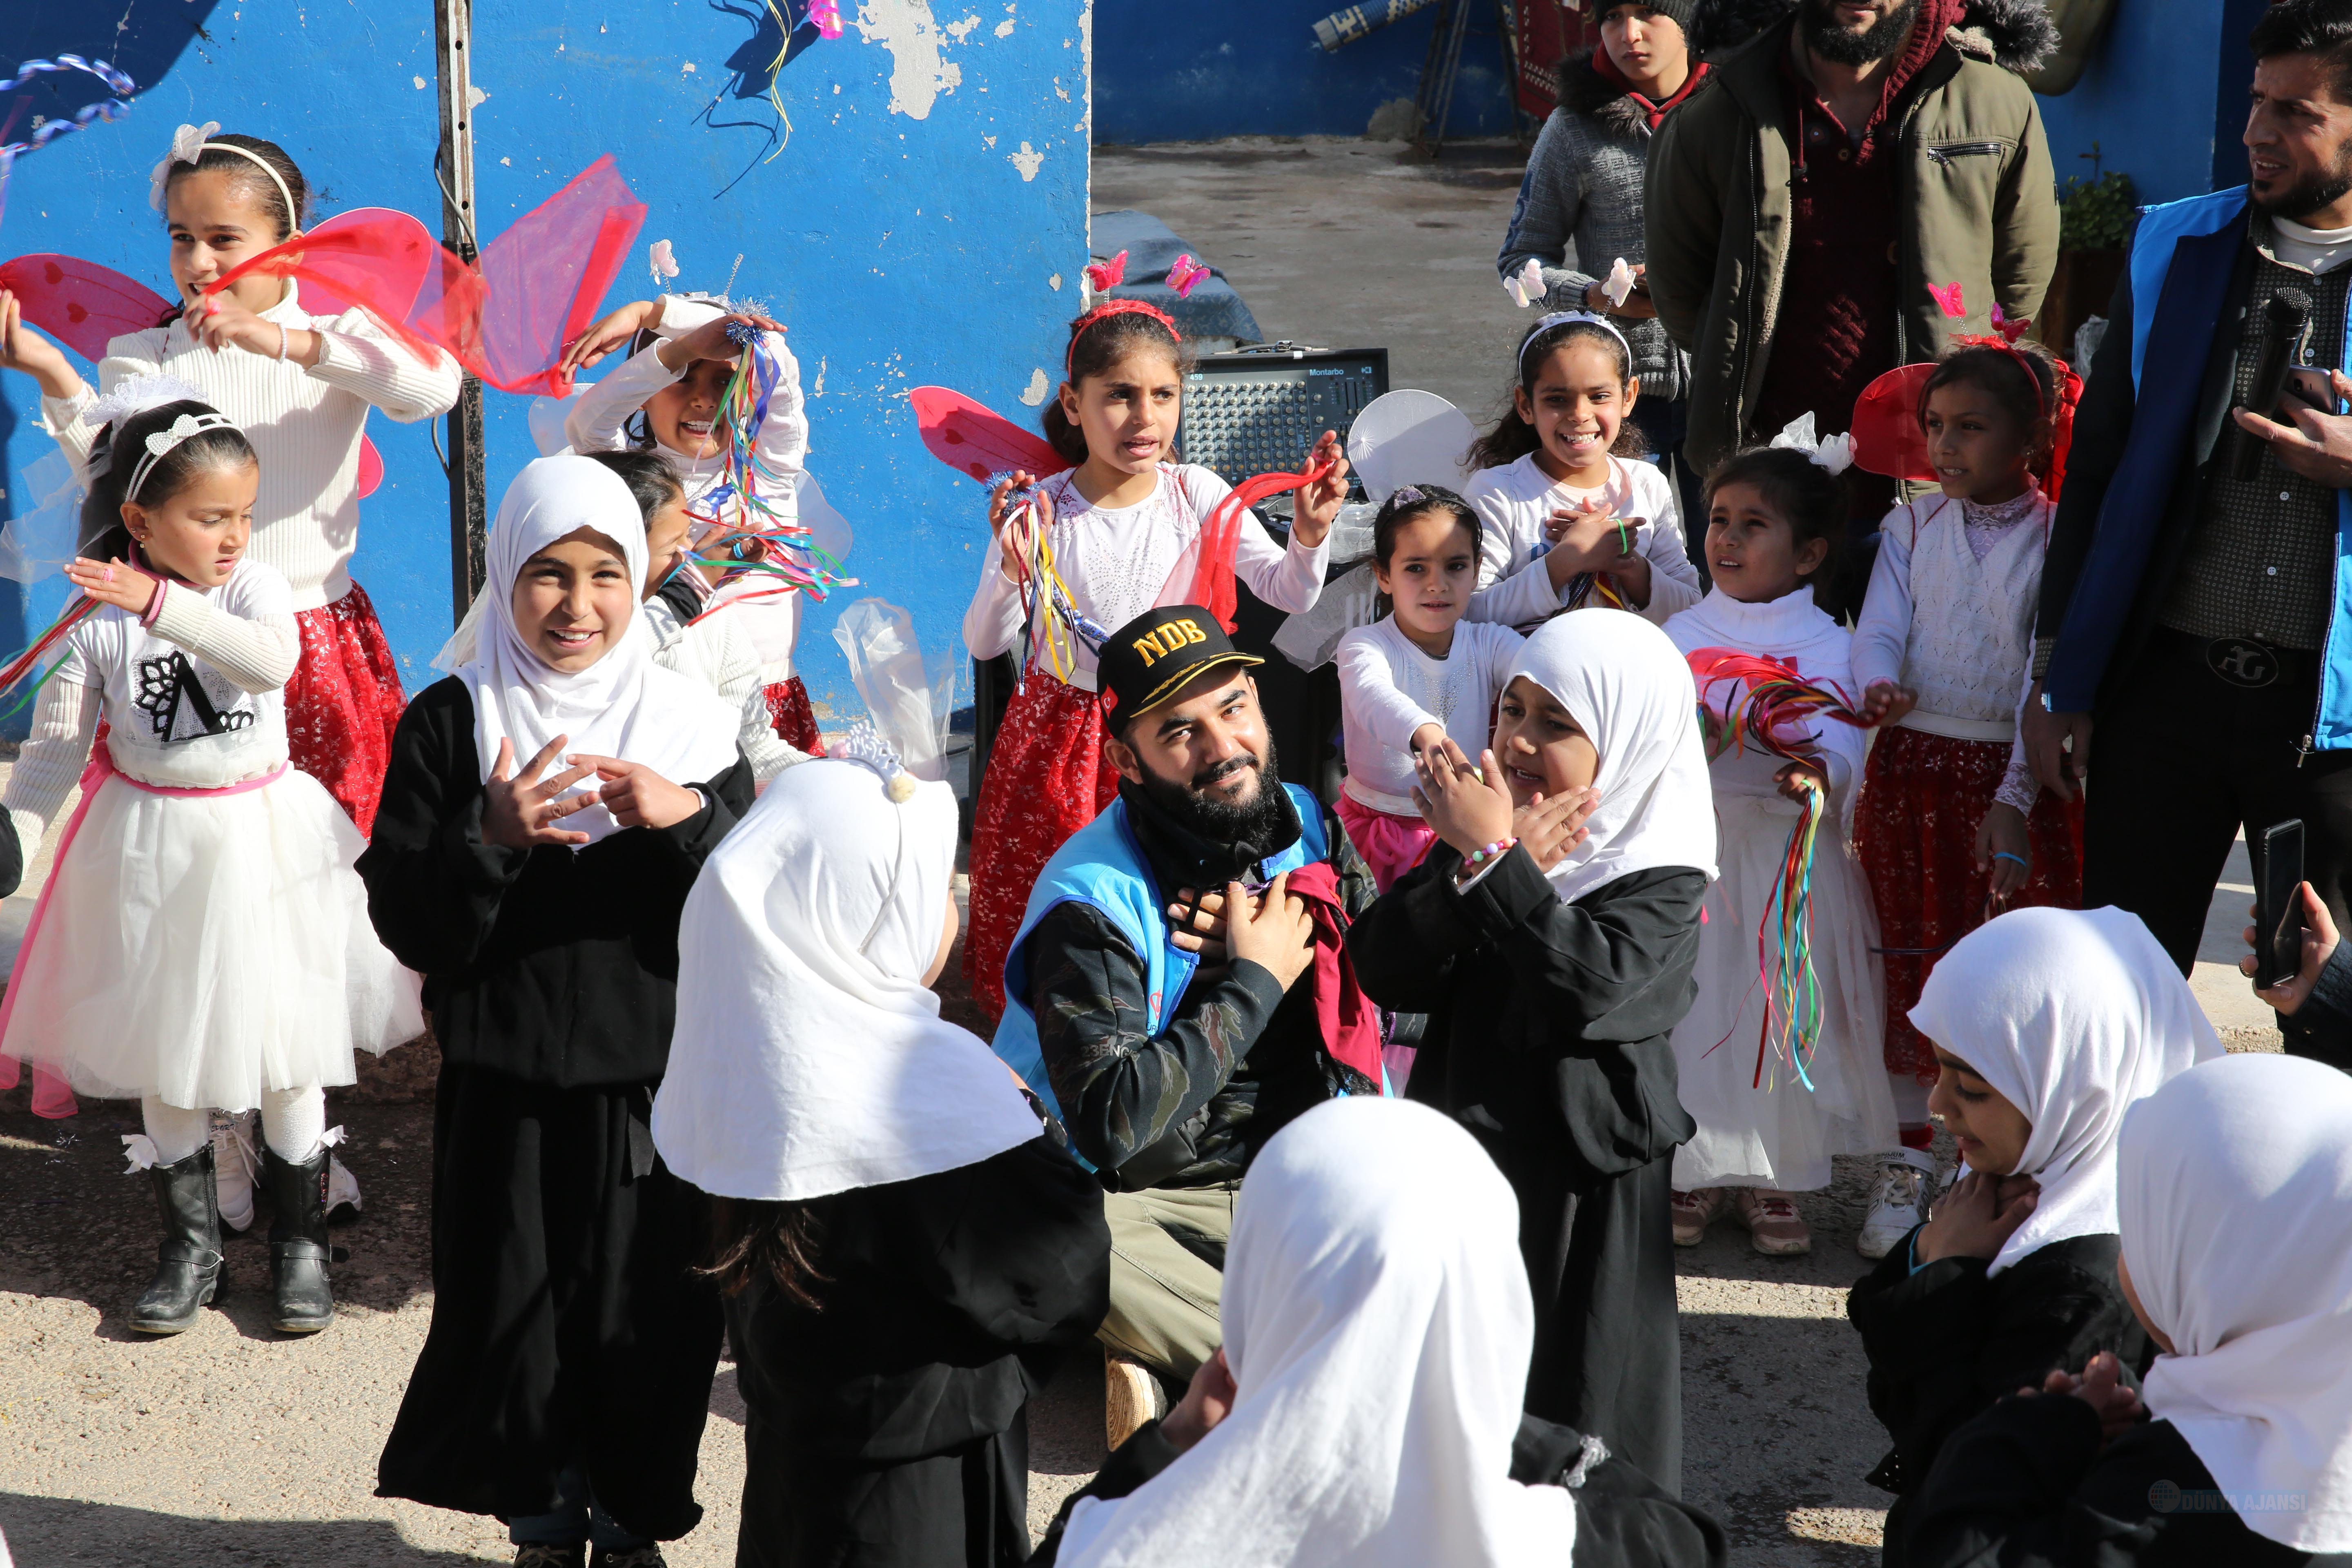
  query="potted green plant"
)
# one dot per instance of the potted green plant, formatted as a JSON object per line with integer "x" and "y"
{"x": 2095, "y": 218}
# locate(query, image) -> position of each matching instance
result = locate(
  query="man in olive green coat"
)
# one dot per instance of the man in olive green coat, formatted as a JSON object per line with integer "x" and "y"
{"x": 1840, "y": 171}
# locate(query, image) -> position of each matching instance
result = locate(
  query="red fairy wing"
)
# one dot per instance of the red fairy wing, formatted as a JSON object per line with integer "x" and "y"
{"x": 1887, "y": 439}
{"x": 369, "y": 263}
{"x": 81, "y": 304}
{"x": 974, "y": 439}
{"x": 371, "y": 469}
{"x": 546, "y": 276}
{"x": 406, "y": 271}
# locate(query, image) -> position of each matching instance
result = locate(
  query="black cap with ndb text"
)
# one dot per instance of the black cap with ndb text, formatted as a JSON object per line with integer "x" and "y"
{"x": 1147, "y": 660}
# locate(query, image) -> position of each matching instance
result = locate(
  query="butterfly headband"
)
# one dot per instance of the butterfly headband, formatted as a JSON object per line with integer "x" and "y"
{"x": 2007, "y": 330}
{"x": 161, "y": 444}
{"x": 188, "y": 144}
{"x": 1568, "y": 318}
{"x": 1105, "y": 311}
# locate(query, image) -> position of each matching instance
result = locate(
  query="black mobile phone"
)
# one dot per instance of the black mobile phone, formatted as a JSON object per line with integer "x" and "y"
{"x": 2277, "y": 854}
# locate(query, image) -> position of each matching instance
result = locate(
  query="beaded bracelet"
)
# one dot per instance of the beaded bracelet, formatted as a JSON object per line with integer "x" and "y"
{"x": 1492, "y": 852}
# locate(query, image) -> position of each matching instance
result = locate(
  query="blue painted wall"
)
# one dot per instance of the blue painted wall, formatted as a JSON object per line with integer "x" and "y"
{"x": 911, "y": 227}
{"x": 2150, "y": 97}
{"x": 1252, "y": 68}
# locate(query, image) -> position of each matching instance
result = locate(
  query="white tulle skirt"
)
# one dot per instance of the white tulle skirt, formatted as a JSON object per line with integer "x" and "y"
{"x": 1780, "y": 1133}
{"x": 206, "y": 948}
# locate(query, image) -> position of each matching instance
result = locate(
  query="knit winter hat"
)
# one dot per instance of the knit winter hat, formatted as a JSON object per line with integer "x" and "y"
{"x": 1678, "y": 10}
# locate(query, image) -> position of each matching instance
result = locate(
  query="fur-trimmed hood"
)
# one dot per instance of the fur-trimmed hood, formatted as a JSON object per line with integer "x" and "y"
{"x": 1584, "y": 90}
{"x": 2016, "y": 34}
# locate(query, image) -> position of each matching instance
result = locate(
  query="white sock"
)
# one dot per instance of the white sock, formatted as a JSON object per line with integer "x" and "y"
{"x": 175, "y": 1132}
{"x": 293, "y": 1120}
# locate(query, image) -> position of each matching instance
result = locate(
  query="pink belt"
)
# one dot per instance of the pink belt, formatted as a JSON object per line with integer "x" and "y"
{"x": 52, "y": 1097}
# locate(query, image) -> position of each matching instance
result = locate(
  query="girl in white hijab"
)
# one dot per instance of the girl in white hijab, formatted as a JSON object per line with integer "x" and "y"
{"x": 2234, "y": 1194}
{"x": 1553, "y": 931}
{"x": 546, "y": 809}
{"x": 2049, "y": 1024}
{"x": 1373, "y": 1235}
{"x": 904, "y": 1253}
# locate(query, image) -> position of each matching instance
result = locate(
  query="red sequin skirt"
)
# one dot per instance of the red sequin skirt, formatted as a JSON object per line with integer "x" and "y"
{"x": 1914, "y": 827}
{"x": 795, "y": 721}
{"x": 1047, "y": 777}
{"x": 343, "y": 703}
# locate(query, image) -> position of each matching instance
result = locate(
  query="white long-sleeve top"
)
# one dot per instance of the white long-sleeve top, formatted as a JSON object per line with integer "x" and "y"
{"x": 305, "y": 425}
{"x": 1951, "y": 611}
{"x": 194, "y": 701}
{"x": 598, "y": 422}
{"x": 1388, "y": 689}
{"x": 716, "y": 650}
{"x": 1795, "y": 631}
{"x": 1119, "y": 562}
{"x": 1515, "y": 503}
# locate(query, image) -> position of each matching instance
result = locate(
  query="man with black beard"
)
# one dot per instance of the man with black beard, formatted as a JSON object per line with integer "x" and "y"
{"x": 1161, "y": 999}
{"x": 1836, "y": 169}
{"x": 2189, "y": 614}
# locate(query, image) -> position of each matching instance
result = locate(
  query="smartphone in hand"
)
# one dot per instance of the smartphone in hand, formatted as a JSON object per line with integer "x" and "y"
{"x": 2277, "y": 854}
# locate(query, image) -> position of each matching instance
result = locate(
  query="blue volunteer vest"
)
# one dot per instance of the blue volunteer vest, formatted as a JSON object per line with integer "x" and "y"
{"x": 2182, "y": 254}
{"x": 1103, "y": 865}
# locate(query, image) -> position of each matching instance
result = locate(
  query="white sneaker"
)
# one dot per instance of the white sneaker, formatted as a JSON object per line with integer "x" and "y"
{"x": 236, "y": 1165}
{"x": 342, "y": 1190}
{"x": 1907, "y": 1185}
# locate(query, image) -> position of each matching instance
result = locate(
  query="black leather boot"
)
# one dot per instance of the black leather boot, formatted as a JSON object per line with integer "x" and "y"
{"x": 188, "y": 1264}
{"x": 298, "y": 1249}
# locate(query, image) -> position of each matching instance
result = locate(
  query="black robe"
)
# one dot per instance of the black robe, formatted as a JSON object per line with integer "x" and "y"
{"x": 567, "y": 1326}
{"x": 2026, "y": 1485}
{"x": 1622, "y": 1519}
{"x": 888, "y": 1428}
{"x": 1948, "y": 1341}
{"x": 1548, "y": 1038}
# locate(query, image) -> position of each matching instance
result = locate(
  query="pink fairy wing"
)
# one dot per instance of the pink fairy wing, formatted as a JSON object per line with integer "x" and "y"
{"x": 81, "y": 304}
{"x": 546, "y": 276}
{"x": 371, "y": 469}
{"x": 408, "y": 266}
{"x": 974, "y": 439}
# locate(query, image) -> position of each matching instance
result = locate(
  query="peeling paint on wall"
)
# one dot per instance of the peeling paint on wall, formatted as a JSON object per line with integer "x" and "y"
{"x": 1038, "y": 390}
{"x": 1028, "y": 161}
{"x": 917, "y": 74}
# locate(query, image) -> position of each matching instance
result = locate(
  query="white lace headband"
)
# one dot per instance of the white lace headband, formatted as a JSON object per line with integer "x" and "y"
{"x": 161, "y": 443}
{"x": 1561, "y": 319}
{"x": 188, "y": 144}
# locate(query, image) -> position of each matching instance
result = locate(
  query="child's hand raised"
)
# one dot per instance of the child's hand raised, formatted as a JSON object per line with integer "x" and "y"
{"x": 1313, "y": 506}
{"x": 1886, "y": 702}
{"x": 1549, "y": 828}
{"x": 635, "y": 794}
{"x": 520, "y": 813}
{"x": 1468, "y": 811}
{"x": 1976, "y": 1219}
{"x": 608, "y": 334}
{"x": 1015, "y": 523}
{"x": 220, "y": 323}
{"x": 2005, "y": 851}
{"x": 710, "y": 341}
{"x": 115, "y": 582}
{"x": 21, "y": 348}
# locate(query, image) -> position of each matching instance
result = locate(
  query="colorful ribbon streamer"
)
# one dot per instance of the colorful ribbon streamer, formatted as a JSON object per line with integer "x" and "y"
{"x": 748, "y": 536}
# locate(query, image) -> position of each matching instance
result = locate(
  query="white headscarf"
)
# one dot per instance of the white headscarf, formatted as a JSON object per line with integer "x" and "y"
{"x": 625, "y": 705}
{"x": 1622, "y": 678}
{"x": 2072, "y": 1015}
{"x": 809, "y": 1057}
{"x": 2236, "y": 1183}
{"x": 1378, "y": 1325}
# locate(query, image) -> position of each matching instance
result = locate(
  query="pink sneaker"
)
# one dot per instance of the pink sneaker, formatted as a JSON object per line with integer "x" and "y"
{"x": 1693, "y": 1210}
{"x": 1775, "y": 1228}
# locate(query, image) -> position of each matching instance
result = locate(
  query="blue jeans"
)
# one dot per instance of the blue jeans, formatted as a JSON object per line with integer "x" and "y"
{"x": 577, "y": 1519}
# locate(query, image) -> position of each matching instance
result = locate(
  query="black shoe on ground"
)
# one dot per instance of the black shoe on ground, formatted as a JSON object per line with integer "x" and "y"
{"x": 188, "y": 1263}
{"x": 298, "y": 1247}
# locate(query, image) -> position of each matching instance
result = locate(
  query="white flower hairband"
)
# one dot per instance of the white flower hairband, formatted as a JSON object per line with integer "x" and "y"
{"x": 136, "y": 393}
{"x": 191, "y": 143}
{"x": 160, "y": 443}
{"x": 1834, "y": 453}
{"x": 1561, "y": 319}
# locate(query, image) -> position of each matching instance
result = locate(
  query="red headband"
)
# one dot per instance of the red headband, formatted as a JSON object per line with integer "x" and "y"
{"x": 1103, "y": 312}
